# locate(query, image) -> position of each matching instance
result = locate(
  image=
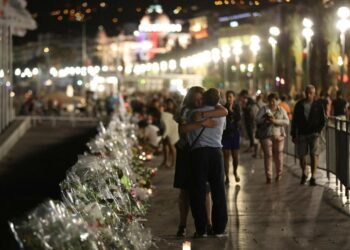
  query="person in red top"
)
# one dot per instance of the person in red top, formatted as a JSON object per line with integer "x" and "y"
{"x": 283, "y": 104}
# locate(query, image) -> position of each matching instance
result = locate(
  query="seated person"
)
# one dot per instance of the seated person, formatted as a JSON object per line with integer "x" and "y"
{"x": 148, "y": 136}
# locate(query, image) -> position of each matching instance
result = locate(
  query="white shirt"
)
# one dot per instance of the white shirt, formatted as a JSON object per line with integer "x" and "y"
{"x": 151, "y": 135}
{"x": 211, "y": 137}
{"x": 307, "y": 109}
{"x": 171, "y": 127}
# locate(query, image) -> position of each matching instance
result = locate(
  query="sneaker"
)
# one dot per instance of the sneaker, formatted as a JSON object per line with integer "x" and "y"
{"x": 181, "y": 232}
{"x": 199, "y": 236}
{"x": 221, "y": 235}
{"x": 313, "y": 182}
{"x": 303, "y": 179}
{"x": 210, "y": 230}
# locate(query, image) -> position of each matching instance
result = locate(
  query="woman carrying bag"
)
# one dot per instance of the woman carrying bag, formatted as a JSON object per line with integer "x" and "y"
{"x": 271, "y": 121}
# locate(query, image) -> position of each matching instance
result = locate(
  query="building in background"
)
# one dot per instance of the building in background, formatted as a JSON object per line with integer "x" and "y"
{"x": 14, "y": 20}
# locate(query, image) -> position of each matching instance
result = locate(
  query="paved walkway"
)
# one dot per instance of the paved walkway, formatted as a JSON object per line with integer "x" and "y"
{"x": 277, "y": 216}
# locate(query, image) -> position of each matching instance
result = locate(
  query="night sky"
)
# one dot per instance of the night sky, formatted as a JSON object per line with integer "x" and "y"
{"x": 54, "y": 15}
{"x": 112, "y": 16}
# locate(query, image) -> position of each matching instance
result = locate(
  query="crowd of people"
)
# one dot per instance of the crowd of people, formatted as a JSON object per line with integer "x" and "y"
{"x": 58, "y": 104}
{"x": 200, "y": 138}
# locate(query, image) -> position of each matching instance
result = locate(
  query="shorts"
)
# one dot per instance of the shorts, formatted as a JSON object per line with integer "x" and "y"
{"x": 308, "y": 144}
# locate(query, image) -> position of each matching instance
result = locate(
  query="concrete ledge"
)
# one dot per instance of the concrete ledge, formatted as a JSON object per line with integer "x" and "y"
{"x": 12, "y": 134}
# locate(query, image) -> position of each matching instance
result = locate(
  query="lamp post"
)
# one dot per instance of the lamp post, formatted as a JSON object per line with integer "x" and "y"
{"x": 307, "y": 34}
{"x": 255, "y": 47}
{"x": 237, "y": 51}
{"x": 274, "y": 32}
{"x": 343, "y": 25}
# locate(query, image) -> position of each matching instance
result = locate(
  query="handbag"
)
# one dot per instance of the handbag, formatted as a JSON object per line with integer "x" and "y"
{"x": 262, "y": 131}
{"x": 182, "y": 167}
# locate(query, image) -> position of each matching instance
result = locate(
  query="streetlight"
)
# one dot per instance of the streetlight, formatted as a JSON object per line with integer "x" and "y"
{"x": 255, "y": 47}
{"x": 274, "y": 32}
{"x": 172, "y": 65}
{"x": 237, "y": 51}
{"x": 215, "y": 55}
{"x": 343, "y": 25}
{"x": 307, "y": 34}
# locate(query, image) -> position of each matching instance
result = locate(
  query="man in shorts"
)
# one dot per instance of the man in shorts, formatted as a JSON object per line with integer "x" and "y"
{"x": 308, "y": 121}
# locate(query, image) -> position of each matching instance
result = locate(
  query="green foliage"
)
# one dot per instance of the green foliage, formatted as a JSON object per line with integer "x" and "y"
{"x": 212, "y": 81}
{"x": 332, "y": 39}
{"x": 295, "y": 28}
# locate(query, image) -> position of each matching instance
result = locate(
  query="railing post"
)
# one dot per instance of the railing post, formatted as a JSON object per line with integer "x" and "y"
{"x": 33, "y": 121}
{"x": 327, "y": 151}
{"x": 341, "y": 131}
{"x": 53, "y": 120}
{"x": 347, "y": 160}
{"x": 73, "y": 121}
{"x": 336, "y": 156}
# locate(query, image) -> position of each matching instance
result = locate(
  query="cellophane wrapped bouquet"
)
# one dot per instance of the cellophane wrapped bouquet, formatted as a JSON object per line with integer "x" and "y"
{"x": 104, "y": 199}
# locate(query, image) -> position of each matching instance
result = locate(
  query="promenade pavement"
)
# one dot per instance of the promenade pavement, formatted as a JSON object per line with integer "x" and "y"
{"x": 283, "y": 215}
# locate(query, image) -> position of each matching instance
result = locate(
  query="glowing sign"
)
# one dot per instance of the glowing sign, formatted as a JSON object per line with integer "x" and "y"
{"x": 158, "y": 27}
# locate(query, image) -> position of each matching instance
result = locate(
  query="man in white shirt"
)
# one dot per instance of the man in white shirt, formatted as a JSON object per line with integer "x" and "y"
{"x": 149, "y": 134}
{"x": 208, "y": 166}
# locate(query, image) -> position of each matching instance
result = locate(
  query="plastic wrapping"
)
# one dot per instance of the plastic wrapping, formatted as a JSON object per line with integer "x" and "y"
{"x": 53, "y": 226}
{"x": 104, "y": 199}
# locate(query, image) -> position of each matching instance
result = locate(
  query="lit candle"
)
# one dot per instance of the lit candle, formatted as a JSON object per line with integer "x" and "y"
{"x": 186, "y": 245}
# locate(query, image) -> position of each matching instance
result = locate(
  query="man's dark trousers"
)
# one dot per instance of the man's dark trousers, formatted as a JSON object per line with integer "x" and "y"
{"x": 207, "y": 166}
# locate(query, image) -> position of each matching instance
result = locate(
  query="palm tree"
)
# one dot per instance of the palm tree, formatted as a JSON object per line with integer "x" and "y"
{"x": 294, "y": 30}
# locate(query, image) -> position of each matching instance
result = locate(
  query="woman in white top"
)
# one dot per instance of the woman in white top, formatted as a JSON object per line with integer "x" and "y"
{"x": 271, "y": 121}
{"x": 171, "y": 134}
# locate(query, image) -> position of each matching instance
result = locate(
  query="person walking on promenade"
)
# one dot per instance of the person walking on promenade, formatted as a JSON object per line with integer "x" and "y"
{"x": 339, "y": 106}
{"x": 308, "y": 121}
{"x": 231, "y": 136}
{"x": 271, "y": 121}
{"x": 250, "y": 109}
{"x": 182, "y": 179}
{"x": 284, "y": 104}
{"x": 326, "y": 102}
{"x": 208, "y": 166}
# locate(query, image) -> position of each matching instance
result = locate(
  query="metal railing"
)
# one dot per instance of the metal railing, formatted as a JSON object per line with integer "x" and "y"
{"x": 54, "y": 120}
{"x": 334, "y": 151}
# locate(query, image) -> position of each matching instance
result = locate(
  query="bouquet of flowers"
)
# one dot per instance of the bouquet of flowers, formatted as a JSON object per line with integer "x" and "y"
{"x": 53, "y": 226}
{"x": 105, "y": 197}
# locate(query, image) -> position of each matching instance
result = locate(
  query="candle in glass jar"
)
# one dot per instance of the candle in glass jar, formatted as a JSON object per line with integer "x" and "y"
{"x": 186, "y": 245}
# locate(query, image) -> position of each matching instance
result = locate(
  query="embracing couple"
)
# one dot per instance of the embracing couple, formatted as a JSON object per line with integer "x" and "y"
{"x": 199, "y": 172}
